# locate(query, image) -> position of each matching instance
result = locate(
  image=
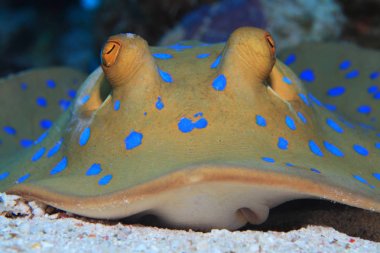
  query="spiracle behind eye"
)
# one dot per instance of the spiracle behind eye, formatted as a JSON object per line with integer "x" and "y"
{"x": 272, "y": 44}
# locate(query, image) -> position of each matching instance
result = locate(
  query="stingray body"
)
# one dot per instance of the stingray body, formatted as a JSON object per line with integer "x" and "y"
{"x": 202, "y": 136}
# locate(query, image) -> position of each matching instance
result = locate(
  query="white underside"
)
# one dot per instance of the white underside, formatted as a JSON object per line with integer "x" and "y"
{"x": 205, "y": 205}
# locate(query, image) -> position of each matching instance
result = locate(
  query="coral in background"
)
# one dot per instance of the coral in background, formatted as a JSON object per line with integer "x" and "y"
{"x": 45, "y": 33}
{"x": 215, "y": 22}
{"x": 290, "y": 23}
{"x": 299, "y": 21}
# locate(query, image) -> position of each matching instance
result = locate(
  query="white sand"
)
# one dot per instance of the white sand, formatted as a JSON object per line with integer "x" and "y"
{"x": 40, "y": 232}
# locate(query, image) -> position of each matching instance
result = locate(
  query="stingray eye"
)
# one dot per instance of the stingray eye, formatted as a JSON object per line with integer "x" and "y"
{"x": 110, "y": 52}
{"x": 271, "y": 44}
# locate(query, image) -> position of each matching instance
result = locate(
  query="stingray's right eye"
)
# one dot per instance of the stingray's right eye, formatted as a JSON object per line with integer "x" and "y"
{"x": 271, "y": 44}
{"x": 110, "y": 52}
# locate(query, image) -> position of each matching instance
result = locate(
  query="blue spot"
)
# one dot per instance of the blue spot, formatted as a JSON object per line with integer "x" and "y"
{"x": 185, "y": 125}
{"x": 282, "y": 143}
{"x": 23, "y": 178}
{"x": 162, "y": 56}
{"x": 314, "y": 148}
{"x": 315, "y": 100}
{"x": 50, "y": 84}
{"x": 347, "y": 123}
{"x": 364, "y": 109}
{"x": 179, "y": 47}
{"x": 159, "y": 104}
{"x": 116, "y": 105}
{"x": 9, "y": 130}
{"x": 215, "y": 64}
{"x": 201, "y": 123}
{"x": 376, "y": 175}
{"x": 307, "y": 75}
{"x": 260, "y": 120}
{"x": 290, "y": 123}
{"x": 145, "y": 113}
{"x": 335, "y": 126}
{"x": 376, "y": 96}
{"x": 219, "y": 83}
{"x": 315, "y": 170}
{"x": 330, "y": 107}
{"x": 85, "y": 99}
{"x": 333, "y": 149}
{"x": 4, "y": 175}
{"x": 377, "y": 145}
{"x": 95, "y": 169}
{"x": 54, "y": 149}
{"x": 105, "y": 180}
{"x": 365, "y": 126}
{"x": 84, "y": 136}
{"x": 374, "y": 75}
{"x": 133, "y": 140}
{"x": 72, "y": 93}
{"x": 372, "y": 89}
{"x": 61, "y": 166}
{"x": 289, "y": 164}
{"x": 336, "y": 91}
{"x": 39, "y": 153}
{"x": 290, "y": 59}
{"x": 202, "y": 56}
{"x": 23, "y": 86}
{"x": 304, "y": 99}
{"x": 198, "y": 114}
{"x": 41, "y": 101}
{"x": 165, "y": 76}
{"x": 352, "y": 74}
{"x": 64, "y": 104}
{"x": 45, "y": 124}
{"x": 360, "y": 150}
{"x": 302, "y": 118}
{"x": 268, "y": 159}
{"x": 41, "y": 138}
{"x": 287, "y": 80}
{"x": 345, "y": 65}
{"x": 360, "y": 179}
{"x": 26, "y": 143}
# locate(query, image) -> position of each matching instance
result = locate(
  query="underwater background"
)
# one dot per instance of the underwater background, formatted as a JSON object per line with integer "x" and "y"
{"x": 71, "y": 33}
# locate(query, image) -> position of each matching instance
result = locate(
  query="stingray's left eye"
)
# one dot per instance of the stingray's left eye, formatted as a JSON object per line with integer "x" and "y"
{"x": 271, "y": 44}
{"x": 110, "y": 52}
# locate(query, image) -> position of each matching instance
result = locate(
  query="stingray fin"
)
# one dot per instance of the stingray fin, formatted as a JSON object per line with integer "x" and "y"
{"x": 31, "y": 101}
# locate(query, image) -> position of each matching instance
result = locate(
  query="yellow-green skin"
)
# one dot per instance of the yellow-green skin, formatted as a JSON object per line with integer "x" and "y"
{"x": 220, "y": 174}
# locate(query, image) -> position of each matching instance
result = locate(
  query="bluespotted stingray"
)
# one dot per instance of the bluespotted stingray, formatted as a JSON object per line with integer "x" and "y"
{"x": 199, "y": 135}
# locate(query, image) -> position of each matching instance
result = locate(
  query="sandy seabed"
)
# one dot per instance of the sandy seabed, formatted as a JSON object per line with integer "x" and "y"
{"x": 31, "y": 229}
